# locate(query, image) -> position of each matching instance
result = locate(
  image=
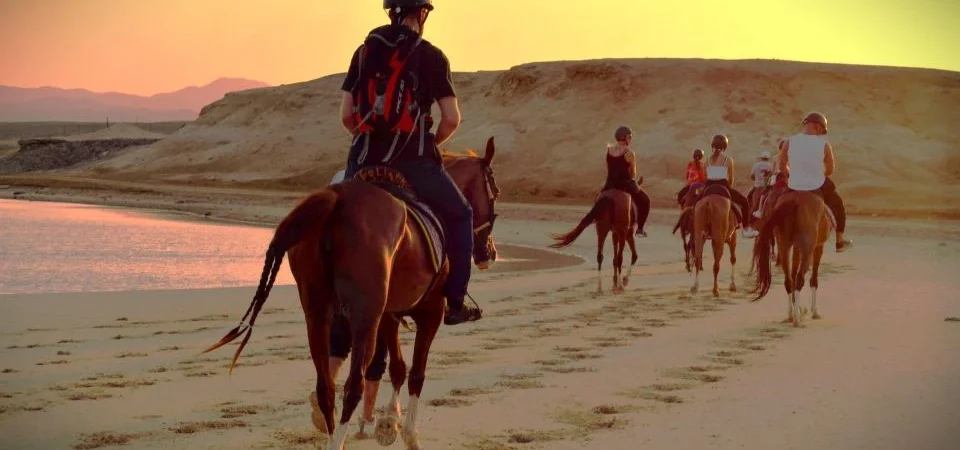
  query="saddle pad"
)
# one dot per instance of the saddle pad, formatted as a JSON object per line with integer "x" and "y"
{"x": 715, "y": 189}
{"x": 426, "y": 219}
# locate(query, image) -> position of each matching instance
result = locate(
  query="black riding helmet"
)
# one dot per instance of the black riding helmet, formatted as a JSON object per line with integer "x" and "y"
{"x": 408, "y": 4}
{"x": 719, "y": 142}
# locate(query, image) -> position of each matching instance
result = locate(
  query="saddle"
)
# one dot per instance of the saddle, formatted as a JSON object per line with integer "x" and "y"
{"x": 699, "y": 190}
{"x": 392, "y": 181}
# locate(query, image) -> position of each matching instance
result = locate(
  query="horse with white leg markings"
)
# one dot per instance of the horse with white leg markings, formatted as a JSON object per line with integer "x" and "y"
{"x": 713, "y": 216}
{"x": 802, "y": 221}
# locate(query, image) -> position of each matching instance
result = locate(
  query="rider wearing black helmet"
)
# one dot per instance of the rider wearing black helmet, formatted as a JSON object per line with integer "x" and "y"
{"x": 622, "y": 174}
{"x": 414, "y": 152}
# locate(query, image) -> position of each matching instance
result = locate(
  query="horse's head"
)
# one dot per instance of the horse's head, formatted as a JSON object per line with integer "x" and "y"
{"x": 474, "y": 176}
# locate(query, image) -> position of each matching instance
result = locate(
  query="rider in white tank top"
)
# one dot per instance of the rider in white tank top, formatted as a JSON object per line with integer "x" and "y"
{"x": 806, "y": 162}
{"x": 718, "y": 172}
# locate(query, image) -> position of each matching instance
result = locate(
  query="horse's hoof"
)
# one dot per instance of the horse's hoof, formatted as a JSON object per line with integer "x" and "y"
{"x": 817, "y": 316}
{"x": 316, "y": 416}
{"x": 787, "y": 320}
{"x": 694, "y": 290}
{"x": 716, "y": 292}
{"x": 364, "y": 426}
{"x": 411, "y": 440}
{"x": 733, "y": 288}
{"x": 387, "y": 429}
{"x": 626, "y": 281}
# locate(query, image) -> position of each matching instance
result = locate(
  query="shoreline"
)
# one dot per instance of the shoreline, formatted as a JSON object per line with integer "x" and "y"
{"x": 68, "y": 187}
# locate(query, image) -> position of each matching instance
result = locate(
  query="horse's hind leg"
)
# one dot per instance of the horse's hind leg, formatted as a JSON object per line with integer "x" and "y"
{"x": 717, "y": 243}
{"x": 815, "y": 281}
{"x": 388, "y": 425}
{"x": 363, "y": 325}
{"x": 732, "y": 243}
{"x": 618, "y": 246}
{"x": 318, "y": 317}
{"x": 427, "y": 325}
{"x": 601, "y": 241}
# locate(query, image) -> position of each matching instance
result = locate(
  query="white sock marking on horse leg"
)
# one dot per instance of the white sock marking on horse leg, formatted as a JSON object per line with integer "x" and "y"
{"x": 388, "y": 424}
{"x": 339, "y": 437}
{"x": 409, "y": 430}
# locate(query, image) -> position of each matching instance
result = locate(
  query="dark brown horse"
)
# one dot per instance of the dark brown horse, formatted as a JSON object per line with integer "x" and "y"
{"x": 355, "y": 246}
{"x": 612, "y": 213}
{"x": 685, "y": 225}
{"x": 800, "y": 220}
{"x": 713, "y": 216}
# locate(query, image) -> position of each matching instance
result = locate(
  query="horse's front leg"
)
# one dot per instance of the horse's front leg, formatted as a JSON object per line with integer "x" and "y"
{"x": 427, "y": 325}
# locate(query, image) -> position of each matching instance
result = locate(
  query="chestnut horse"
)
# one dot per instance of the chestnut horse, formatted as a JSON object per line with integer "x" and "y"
{"x": 800, "y": 219}
{"x": 714, "y": 214}
{"x": 613, "y": 213}
{"x": 355, "y": 246}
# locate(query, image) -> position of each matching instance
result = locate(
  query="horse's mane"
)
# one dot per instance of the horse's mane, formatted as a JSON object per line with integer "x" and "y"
{"x": 448, "y": 154}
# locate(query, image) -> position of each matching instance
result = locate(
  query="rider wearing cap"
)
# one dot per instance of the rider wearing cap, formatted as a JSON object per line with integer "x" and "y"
{"x": 760, "y": 173}
{"x": 622, "y": 174}
{"x": 720, "y": 171}
{"x": 808, "y": 159}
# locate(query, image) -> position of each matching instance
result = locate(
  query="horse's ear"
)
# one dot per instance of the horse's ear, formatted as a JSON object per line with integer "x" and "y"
{"x": 490, "y": 152}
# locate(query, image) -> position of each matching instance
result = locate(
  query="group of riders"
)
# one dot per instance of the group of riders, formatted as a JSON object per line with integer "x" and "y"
{"x": 405, "y": 140}
{"x": 396, "y": 76}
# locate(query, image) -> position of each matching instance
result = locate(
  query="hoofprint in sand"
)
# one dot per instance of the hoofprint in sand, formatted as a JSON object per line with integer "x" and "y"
{"x": 550, "y": 366}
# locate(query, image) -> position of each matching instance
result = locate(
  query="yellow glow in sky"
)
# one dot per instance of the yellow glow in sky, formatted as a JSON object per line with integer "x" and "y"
{"x": 150, "y": 46}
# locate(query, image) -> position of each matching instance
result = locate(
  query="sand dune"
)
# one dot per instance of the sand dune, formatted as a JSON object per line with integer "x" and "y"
{"x": 893, "y": 128}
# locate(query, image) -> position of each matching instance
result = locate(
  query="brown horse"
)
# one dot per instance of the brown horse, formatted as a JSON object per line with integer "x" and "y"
{"x": 685, "y": 225}
{"x": 800, "y": 219}
{"x": 767, "y": 204}
{"x": 713, "y": 214}
{"x": 613, "y": 213}
{"x": 355, "y": 246}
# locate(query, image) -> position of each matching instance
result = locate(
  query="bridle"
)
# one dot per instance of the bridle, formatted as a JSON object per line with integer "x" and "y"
{"x": 481, "y": 233}
{"x": 492, "y": 194}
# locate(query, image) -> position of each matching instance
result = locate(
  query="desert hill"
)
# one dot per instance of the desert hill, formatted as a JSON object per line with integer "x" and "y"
{"x": 894, "y": 129}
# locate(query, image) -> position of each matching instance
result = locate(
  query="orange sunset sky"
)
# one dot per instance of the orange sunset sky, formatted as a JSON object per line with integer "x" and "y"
{"x": 150, "y": 46}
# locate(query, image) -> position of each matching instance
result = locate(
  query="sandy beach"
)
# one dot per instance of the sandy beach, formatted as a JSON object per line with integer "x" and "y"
{"x": 552, "y": 365}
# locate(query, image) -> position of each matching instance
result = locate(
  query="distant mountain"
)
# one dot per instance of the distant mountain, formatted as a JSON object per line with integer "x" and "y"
{"x": 55, "y": 104}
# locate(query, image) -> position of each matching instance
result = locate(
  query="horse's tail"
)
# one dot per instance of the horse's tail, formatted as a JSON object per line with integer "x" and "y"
{"x": 684, "y": 216}
{"x": 784, "y": 213}
{"x": 311, "y": 213}
{"x": 563, "y": 240}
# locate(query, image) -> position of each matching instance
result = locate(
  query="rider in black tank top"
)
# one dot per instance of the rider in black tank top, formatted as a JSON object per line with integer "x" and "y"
{"x": 620, "y": 173}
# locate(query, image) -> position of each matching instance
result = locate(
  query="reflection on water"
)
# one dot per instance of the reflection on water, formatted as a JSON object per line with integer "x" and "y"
{"x": 55, "y": 247}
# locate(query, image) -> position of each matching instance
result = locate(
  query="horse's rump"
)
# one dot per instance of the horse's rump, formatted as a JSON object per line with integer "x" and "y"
{"x": 392, "y": 181}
